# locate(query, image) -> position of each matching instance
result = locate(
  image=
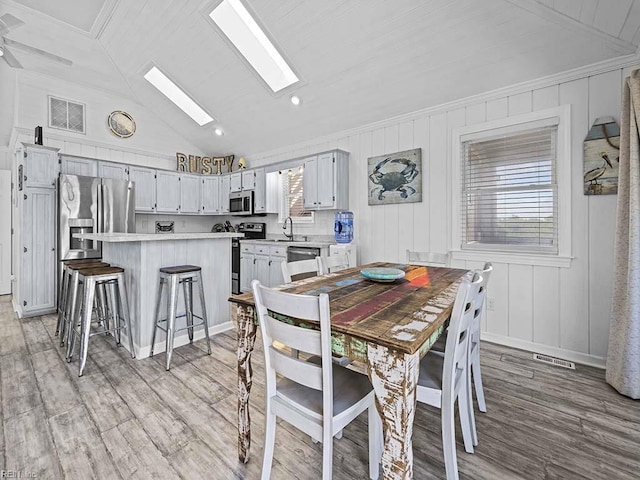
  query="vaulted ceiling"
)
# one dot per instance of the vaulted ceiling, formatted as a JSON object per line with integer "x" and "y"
{"x": 359, "y": 61}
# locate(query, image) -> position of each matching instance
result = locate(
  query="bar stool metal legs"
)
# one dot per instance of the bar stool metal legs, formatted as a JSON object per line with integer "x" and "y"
{"x": 173, "y": 277}
{"x": 106, "y": 282}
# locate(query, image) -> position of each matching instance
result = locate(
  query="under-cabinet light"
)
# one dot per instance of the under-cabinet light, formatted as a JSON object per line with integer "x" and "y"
{"x": 242, "y": 30}
{"x": 177, "y": 96}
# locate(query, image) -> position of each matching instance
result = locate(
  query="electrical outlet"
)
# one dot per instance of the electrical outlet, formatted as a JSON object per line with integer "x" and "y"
{"x": 491, "y": 304}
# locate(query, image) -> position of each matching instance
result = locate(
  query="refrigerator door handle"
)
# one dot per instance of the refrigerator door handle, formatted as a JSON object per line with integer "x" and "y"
{"x": 100, "y": 226}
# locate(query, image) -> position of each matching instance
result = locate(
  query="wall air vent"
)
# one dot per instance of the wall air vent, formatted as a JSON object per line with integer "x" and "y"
{"x": 554, "y": 361}
{"x": 66, "y": 115}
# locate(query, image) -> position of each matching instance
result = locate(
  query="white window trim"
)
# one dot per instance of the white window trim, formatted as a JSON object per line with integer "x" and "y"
{"x": 561, "y": 115}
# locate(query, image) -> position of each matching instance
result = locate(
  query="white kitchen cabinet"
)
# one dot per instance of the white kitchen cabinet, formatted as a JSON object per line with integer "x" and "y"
{"x": 117, "y": 171}
{"x": 145, "y": 188}
{"x": 262, "y": 269}
{"x": 277, "y": 255}
{"x": 190, "y": 196}
{"x": 260, "y": 191}
{"x": 325, "y": 181}
{"x": 225, "y": 189}
{"x": 35, "y": 292}
{"x": 167, "y": 192}
{"x": 73, "y": 165}
{"x": 248, "y": 179}
{"x": 247, "y": 266}
{"x": 211, "y": 195}
{"x": 235, "y": 184}
{"x": 39, "y": 166}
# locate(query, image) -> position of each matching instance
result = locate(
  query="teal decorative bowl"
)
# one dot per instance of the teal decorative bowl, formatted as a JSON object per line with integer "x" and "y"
{"x": 382, "y": 274}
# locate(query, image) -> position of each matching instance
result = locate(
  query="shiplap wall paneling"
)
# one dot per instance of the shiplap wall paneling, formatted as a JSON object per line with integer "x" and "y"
{"x": 520, "y": 294}
{"x": 377, "y": 212}
{"x": 392, "y": 229}
{"x": 406, "y": 211}
{"x": 360, "y": 207}
{"x": 498, "y": 318}
{"x": 546, "y": 305}
{"x": 574, "y": 302}
{"x": 607, "y": 88}
{"x": 438, "y": 189}
{"x": 421, "y": 218}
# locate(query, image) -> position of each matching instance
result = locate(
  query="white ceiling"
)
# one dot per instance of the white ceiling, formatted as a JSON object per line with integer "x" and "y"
{"x": 359, "y": 61}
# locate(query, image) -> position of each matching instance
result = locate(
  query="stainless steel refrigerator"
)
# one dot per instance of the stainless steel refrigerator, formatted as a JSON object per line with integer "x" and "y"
{"x": 92, "y": 205}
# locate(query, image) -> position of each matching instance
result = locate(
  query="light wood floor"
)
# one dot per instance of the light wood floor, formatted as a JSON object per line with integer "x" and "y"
{"x": 131, "y": 419}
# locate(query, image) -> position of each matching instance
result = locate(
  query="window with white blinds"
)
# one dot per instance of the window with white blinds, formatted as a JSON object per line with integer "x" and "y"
{"x": 291, "y": 194}
{"x": 510, "y": 190}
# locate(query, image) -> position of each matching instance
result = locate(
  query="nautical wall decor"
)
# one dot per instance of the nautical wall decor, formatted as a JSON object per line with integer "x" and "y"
{"x": 204, "y": 165}
{"x": 601, "y": 157}
{"x": 395, "y": 178}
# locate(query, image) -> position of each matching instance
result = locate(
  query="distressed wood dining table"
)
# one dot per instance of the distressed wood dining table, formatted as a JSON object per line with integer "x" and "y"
{"x": 387, "y": 326}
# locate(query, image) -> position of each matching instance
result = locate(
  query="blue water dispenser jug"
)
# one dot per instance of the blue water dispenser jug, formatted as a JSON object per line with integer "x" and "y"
{"x": 343, "y": 227}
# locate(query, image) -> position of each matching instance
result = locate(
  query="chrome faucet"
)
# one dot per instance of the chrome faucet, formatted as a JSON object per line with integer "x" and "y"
{"x": 284, "y": 227}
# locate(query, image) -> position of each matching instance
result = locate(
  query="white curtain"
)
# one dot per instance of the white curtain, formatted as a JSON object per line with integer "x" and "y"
{"x": 623, "y": 356}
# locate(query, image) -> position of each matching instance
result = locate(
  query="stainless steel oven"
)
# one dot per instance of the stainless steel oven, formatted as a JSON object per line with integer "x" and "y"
{"x": 251, "y": 230}
{"x": 241, "y": 203}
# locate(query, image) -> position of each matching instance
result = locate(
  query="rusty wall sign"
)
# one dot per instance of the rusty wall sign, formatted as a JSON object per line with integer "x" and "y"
{"x": 204, "y": 165}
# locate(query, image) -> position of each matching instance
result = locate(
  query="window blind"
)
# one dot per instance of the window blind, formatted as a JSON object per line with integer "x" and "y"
{"x": 510, "y": 192}
{"x": 292, "y": 194}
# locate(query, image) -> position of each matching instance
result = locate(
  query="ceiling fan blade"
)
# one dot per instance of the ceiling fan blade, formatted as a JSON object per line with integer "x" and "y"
{"x": 37, "y": 51}
{"x": 10, "y": 59}
{"x": 8, "y": 22}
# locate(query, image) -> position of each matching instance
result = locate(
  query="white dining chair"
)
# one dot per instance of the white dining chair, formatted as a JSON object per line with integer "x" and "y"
{"x": 474, "y": 350}
{"x": 444, "y": 379}
{"x": 332, "y": 263}
{"x": 428, "y": 258}
{"x": 316, "y": 396}
{"x": 292, "y": 269}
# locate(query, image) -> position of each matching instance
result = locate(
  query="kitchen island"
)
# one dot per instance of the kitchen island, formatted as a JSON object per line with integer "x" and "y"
{"x": 142, "y": 255}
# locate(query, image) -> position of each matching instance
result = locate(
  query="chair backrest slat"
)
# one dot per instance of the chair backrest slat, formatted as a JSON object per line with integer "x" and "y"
{"x": 302, "y": 339}
{"x": 332, "y": 263}
{"x": 305, "y": 373}
{"x": 479, "y": 304}
{"x": 291, "y": 269}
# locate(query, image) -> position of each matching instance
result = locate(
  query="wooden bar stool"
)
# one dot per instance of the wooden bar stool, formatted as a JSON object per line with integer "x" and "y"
{"x": 186, "y": 275}
{"x": 69, "y": 290}
{"x": 93, "y": 279}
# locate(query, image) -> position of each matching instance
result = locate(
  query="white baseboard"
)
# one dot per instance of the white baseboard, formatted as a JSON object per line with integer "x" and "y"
{"x": 577, "y": 357}
{"x": 182, "y": 339}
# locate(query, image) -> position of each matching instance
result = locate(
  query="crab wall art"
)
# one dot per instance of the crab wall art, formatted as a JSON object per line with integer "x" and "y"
{"x": 395, "y": 178}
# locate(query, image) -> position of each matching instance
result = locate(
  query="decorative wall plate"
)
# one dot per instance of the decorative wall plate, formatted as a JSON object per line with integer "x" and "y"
{"x": 382, "y": 274}
{"x": 121, "y": 124}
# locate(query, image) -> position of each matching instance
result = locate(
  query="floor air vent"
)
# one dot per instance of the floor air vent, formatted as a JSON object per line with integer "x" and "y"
{"x": 554, "y": 361}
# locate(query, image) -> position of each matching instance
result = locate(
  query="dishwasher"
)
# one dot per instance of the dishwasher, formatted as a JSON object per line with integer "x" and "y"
{"x": 295, "y": 254}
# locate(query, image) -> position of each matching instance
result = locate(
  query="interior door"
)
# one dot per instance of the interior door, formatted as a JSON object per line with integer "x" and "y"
{"x": 5, "y": 232}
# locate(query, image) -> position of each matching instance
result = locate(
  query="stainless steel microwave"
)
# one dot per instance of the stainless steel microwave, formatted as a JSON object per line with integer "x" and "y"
{"x": 241, "y": 203}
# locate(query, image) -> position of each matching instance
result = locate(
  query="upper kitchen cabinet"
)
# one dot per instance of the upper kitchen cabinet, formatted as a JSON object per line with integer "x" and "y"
{"x": 248, "y": 180}
{"x": 260, "y": 188}
{"x": 225, "y": 189}
{"x": 211, "y": 195}
{"x": 73, "y": 165}
{"x": 39, "y": 164}
{"x": 326, "y": 180}
{"x": 116, "y": 171}
{"x": 145, "y": 186}
{"x": 190, "y": 193}
{"x": 167, "y": 192}
{"x": 235, "y": 182}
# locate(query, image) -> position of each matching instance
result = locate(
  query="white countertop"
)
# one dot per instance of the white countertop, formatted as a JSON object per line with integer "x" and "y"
{"x": 286, "y": 243}
{"x": 154, "y": 237}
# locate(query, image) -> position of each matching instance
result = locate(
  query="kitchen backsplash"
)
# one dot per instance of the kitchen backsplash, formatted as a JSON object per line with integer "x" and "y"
{"x": 322, "y": 227}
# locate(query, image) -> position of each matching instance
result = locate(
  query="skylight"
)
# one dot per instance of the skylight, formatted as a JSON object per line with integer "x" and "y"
{"x": 177, "y": 96}
{"x": 242, "y": 30}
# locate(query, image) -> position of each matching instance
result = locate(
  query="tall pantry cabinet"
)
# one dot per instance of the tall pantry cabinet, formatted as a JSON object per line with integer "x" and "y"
{"x": 34, "y": 235}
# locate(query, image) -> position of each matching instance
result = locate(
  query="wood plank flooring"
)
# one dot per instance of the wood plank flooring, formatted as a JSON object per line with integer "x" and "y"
{"x": 131, "y": 419}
